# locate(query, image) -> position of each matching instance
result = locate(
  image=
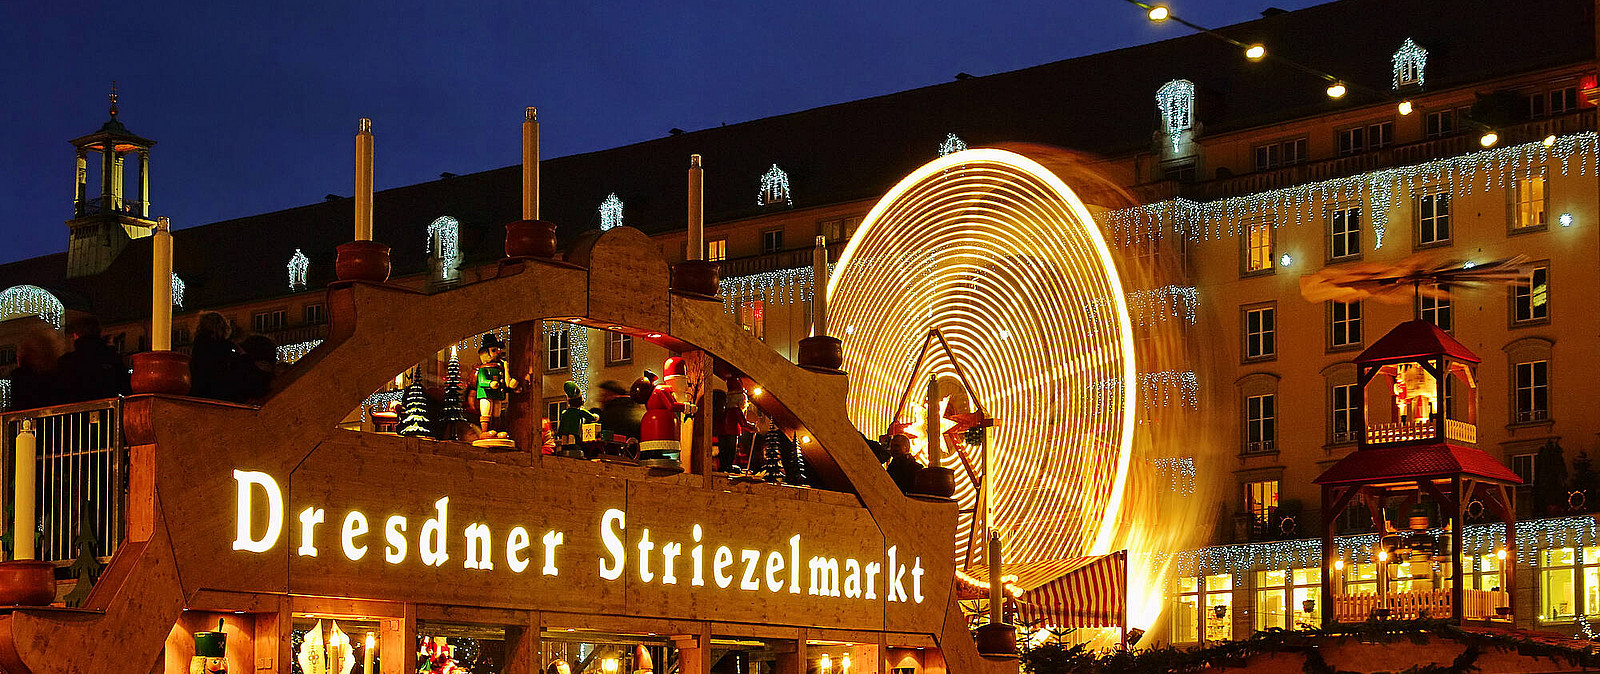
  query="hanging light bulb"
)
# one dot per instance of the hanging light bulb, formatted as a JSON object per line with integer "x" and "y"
{"x": 1549, "y": 140}
{"x": 1336, "y": 90}
{"x": 1405, "y": 108}
{"x": 1255, "y": 52}
{"x": 1159, "y": 13}
{"x": 1489, "y": 138}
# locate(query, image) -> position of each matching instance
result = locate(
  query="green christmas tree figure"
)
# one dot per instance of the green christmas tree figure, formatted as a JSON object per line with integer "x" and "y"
{"x": 452, "y": 409}
{"x": 414, "y": 409}
{"x": 772, "y": 456}
{"x": 86, "y": 568}
{"x": 797, "y": 471}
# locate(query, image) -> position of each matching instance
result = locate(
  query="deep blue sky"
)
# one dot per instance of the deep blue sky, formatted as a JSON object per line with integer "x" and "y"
{"x": 253, "y": 103}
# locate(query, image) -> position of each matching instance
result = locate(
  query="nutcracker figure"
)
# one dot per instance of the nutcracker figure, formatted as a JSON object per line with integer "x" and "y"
{"x": 733, "y": 428}
{"x": 493, "y": 384}
{"x": 659, "y": 445}
{"x": 578, "y": 428}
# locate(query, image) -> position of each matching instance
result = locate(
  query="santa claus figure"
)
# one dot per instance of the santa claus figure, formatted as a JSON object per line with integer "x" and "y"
{"x": 659, "y": 445}
{"x": 733, "y": 427}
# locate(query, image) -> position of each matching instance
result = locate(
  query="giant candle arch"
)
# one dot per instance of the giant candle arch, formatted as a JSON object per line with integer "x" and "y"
{"x": 998, "y": 253}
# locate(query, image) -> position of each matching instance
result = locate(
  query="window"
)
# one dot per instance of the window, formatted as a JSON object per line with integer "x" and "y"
{"x": 753, "y": 317}
{"x": 1410, "y": 60}
{"x": 1557, "y": 585}
{"x": 1555, "y": 102}
{"x": 1532, "y": 391}
{"x": 1363, "y": 138}
{"x": 557, "y": 348}
{"x": 1344, "y": 233}
{"x": 839, "y": 229}
{"x": 316, "y": 314}
{"x": 1271, "y": 600}
{"x": 1433, "y": 217}
{"x": 1183, "y": 171}
{"x": 1218, "y": 607}
{"x": 1530, "y": 298}
{"x": 8, "y": 355}
{"x": 1360, "y": 578}
{"x": 1260, "y": 335}
{"x": 775, "y": 187}
{"x": 1344, "y": 324}
{"x": 269, "y": 321}
{"x": 1484, "y": 571}
{"x": 717, "y": 250}
{"x": 1344, "y": 405}
{"x": 1282, "y": 596}
{"x": 553, "y": 407}
{"x": 1433, "y": 306}
{"x": 1186, "y": 610}
{"x": 619, "y": 348}
{"x": 1258, "y": 248}
{"x": 1445, "y": 122}
{"x": 771, "y": 241}
{"x": 1260, "y": 421}
{"x": 1284, "y": 153}
{"x": 1528, "y": 209}
{"x": 1261, "y": 499}
{"x": 1304, "y": 593}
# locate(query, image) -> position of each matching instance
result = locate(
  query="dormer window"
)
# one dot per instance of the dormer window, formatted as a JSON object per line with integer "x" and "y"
{"x": 1175, "y": 101}
{"x": 775, "y": 188}
{"x": 951, "y": 145}
{"x": 1409, "y": 63}
{"x": 444, "y": 240}
{"x": 610, "y": 212}
{"x": 299, "y": 264}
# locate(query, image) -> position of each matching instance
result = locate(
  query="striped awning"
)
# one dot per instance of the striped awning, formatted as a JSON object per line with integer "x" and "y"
{"x": 1082, "y": 592}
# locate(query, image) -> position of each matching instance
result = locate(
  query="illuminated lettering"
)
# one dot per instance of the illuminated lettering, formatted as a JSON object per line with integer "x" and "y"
{"x": 774, "y": 567}
{"x": 431, "y": 545}
{"x": 355, "y": 524}
{"x": 699, "y": 577}
{"x": 645, "y": 546}
{"x": 515, "y": 544}
{"x": 872, "y": 580}
{"x": 897, "y": 573}
{"x": 245, "y": 541}
{"x": 794, "y": 564}
{"x": 309, "y": 519}
{"x": 749, "y": 557}
{"x": 394, "y": 531}
{"x": 825, "y": 576}
{"x": 552, "y": 538}
{"x": 613, "y": 543}
{"x": 669, "y": 551}
{"x": 724, "y": 559}
{"x": 478, "y": 549}
{"x": 852, "y": 579}
{"x": 916, "y": 580}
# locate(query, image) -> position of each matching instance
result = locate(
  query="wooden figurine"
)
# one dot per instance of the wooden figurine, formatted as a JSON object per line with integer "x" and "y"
{"x": 493, "y": 385}
{"x": 659, "y": 444}
{"x": 733, "y": 429}
{"x": 578, "y": 428}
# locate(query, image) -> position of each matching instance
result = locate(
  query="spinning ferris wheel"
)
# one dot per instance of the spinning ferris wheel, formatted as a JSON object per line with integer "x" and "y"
{"x": 995, "y": 252}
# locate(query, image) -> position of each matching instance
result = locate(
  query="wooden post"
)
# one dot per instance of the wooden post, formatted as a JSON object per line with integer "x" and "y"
{"x": 363, "y": 197}
{"x": 530, "y": 163}
{"x": 703, "y": 433}
{"x": 1329, "y": 555}
{"x": 1458, "y": 593}
{"x": 397, "y": 644}
{"x": 525, "y": 405}
{"x": 523, "y": 647}
{"x": 161, "y": 286}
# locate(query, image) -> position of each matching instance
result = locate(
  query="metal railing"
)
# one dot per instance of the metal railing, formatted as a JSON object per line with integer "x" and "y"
{"x": 80, "y": 472}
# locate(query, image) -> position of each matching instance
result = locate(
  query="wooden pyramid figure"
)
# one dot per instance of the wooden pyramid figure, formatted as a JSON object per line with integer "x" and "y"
{"x": 1418, "y": 436}
{"x": 86, "y": 568}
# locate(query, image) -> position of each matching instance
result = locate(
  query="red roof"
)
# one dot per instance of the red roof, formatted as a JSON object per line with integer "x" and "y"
{"x": 1410, "y": 462}
{"x": 1415, "y": 339}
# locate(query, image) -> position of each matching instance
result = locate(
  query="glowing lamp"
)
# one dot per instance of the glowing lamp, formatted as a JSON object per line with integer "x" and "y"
{"x": 1255, "y": 52}
{"x": 1383, "y": 555}
{"x": 1488, "y": 139}
{"x": 1500, "y": 554}
{"x": 1285, "y": 260}
{"x": 1405, "y": 108}
{"x": 1159, "y": 13}
{"x": 805, "y": 439}
{"x": 1338, "y": 565}
{"x": 609, "y": 665}
{"x": 826, "y": 663}
{"x": 1566, "y": 219}
{"x": 844, "y": 663}
{"x": 1549, "y": 140}
{"x": 1336, "y": 90}
{"x": 755, "y": 391}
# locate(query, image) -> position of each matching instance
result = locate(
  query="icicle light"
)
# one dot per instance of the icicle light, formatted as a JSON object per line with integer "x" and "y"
{"x": 775, "y": 188}
{"x": 26, "y": 300}
{"x": 288, "y": 354}
{"x": 177, "y": 291}
{"x": 299, "y": 264}
{"x": 610, "y": 212}
{"x": 444, "y": 240}
{"x": 951, "y": 145}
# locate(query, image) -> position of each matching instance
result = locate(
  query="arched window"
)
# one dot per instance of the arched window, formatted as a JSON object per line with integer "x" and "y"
{"x": 444, "y": 240}
{"x": 775, "y": 188}
{"x": 299, "y": 264}
{"x": 27, "y": 300}
{"x": 1409, "y": 62}
{"x": 610, "y": 212}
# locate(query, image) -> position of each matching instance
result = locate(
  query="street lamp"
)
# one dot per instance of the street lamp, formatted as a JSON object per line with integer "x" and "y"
{"x": 1159, "y": 13}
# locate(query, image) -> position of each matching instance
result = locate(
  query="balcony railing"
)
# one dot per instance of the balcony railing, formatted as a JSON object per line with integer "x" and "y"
{"x": 1460, "y": 431}
{"x": 80, "y": 475}
{"x": 1478, "y": 604}
{"x": 787, "y": 259}
{"x": 1409, "y": 431}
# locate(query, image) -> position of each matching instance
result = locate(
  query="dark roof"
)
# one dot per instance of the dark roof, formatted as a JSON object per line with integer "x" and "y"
{"x": 1414, "y": 462}
{"x": 1414, "y": 340}
{"x": 1102, "y": 104}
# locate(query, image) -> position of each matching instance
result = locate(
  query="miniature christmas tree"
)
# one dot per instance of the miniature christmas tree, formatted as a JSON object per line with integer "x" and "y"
{"x": 414, "y": 409}
{"x": 772, "y": 456}
{"x": 452, "y": 409}
{"x": 796, "y": 471}
{"x": 86, "y": 568}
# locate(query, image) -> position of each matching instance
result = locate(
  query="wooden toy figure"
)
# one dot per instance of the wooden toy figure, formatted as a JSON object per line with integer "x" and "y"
{"x": 493, "y": 384}
{"x": 659, "y": 445}
{"x": 733, "y": 427}
{"x": 578, "y": 428}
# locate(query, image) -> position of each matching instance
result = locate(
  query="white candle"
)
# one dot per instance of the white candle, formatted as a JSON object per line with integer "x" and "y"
{"x": 819, "y": 288}
{"x": 996, "y": 586}
{"x": 697, "y": 210}
{"x": 364, "y": 180}
{"x": 530, "y": 163}
{"x": 22, "y": 524}
{"x": 366, "y": 654}
{"x": 161, "y": 286}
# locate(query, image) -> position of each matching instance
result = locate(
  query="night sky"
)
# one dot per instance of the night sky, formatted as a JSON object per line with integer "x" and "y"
{"x": 253, "y": 105}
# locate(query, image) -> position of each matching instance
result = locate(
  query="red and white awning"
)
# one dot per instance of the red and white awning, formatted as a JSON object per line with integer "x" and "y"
{"x": 1082, "y": 592}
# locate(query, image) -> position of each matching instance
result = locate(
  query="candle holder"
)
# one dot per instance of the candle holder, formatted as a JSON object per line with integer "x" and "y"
{"x": 996, "y": 639}
{"x": 935, "y": 482}
{"x": 165, "y": 372}
{"x": 822, "y": 353}
{"x": 697, "y": 278}
{"x": 366, "y": 261}
{"x": 531, "y": 239}
{"x": 27, "y": 582}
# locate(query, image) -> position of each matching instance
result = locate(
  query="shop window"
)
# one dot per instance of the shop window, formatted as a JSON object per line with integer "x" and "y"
{"x": 269, "y": 321}
{"x": 557, "y": 348}
{"x": 753, "y": 317}
{"x": 1258, "y": 248}
{"x": 1433, "y": 217}
{"x": 717, "y": 250}
{"x": 589, "y": 652}
{"x": 1304, "y": 593}
{"x": 1261, "y": 424}
{"x": 316, "y": 314}
{"x": 619, "y": 348}
{"x": 454, "y": 648}
{"x": 1530, "y": 297}
{"x": 1344, "y": 233}
{"x": 1344, "y": 324}
{"x": 1186, "y": 611}
{"x": 1433, "y": 306}
{"x": 1557, "y": 585}
{"x": 1260, "y": 332}
{"x": 1217, "y": 611}
{"x": 1344, "y": 403}
{"x": 1272, "y": 599}
{"x": 1484, "y": 572}
{"x": 1532, "y": 391}
{"x": 1528, "y": 203}
{"x": 358, "y": 640}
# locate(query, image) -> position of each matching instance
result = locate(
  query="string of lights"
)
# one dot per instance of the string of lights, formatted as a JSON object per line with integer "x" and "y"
{"x": 299, "y": 264}
{"x": 610, "y": 212}
{"x": 775, "y": 188}
{"x": 951, "y": 145}
{"x": 5, "y": 394}
{"x": 178, "y": 287}
{"x": 445, "y": 233}
{"x": 289, "y": 354}
{"x": 28, "y": 300}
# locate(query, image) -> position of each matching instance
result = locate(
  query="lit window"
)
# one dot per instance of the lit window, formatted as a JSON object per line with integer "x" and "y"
{"x": 1344, "y": 402}
{"x": 619, "y": 348}
{"x": 1434, "y": 307}
{"x": 1531, "y": 296}
{"x": 1272, "y": 599}
{"x": 753, "y": 317}
{"x": 771, "y": 241}
{"x": 1218, "y": 607}
{"x": 1261, "y": 423}
{"x": 1557, "y": 586}
{"x": 1344, "y": 233}
{"x": 1260, "y": 333}
{"x": 1258, "y": 247}
{"x": 1344, "y": 324}
{"x": 1433, "y": 217}
{"x": 717, "y": 250}
{"x": 1410, "y": 60}
{"x": 775, "y": 188}
{"x": 1532, "y": 391}
{"x": 1530, "y": 202}
{"x": 557, "y": 347}
{"x": 1186, "y": 610}
{"x": 1261, "y": 499}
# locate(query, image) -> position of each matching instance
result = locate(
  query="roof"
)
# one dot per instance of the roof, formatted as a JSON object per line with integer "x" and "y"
{"x": 1413, "y": 340}
{"x": 1415, "y": 462}
{"x": 1101, "y": 105}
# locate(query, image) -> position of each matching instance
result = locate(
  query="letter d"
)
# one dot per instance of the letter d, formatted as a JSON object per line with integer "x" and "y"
{"x": 245, "y": 541}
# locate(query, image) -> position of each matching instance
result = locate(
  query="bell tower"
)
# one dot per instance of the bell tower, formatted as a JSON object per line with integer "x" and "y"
{"x": 102, "y": 225}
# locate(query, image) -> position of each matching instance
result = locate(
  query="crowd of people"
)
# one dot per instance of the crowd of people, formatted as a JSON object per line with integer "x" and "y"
{"x": 78, "y": 364}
